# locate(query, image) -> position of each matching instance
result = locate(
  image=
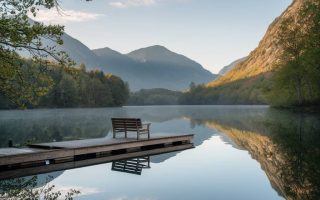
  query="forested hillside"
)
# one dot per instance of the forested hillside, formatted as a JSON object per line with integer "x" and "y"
{"x": 283, "y": 70}
{"x": 156, "y": 96}
{"x": 58, "y": 86}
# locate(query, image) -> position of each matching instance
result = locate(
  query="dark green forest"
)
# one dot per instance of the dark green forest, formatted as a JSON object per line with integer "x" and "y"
{"x": 234, "y": 93}
{"x": 56, "y": 86}
{"x": 297, "y": 80}
{"x": 157, "y": 96}
{"x": 48, "y": 78}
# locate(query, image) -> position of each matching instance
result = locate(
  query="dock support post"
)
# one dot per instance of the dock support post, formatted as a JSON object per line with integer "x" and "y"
{"x": 10, "y": 143}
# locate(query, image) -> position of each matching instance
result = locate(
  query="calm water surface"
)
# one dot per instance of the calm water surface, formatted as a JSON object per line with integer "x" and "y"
{"x": 242, "y": 152}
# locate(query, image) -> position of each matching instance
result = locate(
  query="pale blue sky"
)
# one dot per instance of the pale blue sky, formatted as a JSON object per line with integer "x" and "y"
{"x": 211, "y": 32}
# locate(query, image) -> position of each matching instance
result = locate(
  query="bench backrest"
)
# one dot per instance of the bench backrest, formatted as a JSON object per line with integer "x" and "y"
{"x": 128, "y": 124}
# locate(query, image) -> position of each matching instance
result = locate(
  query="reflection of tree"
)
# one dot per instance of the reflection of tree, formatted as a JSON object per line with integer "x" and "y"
{"x": 297, "y": 138}
{"x": 26, "y": 188}
{"x": 53, "y": 125}
{"x": 286, "y": 144}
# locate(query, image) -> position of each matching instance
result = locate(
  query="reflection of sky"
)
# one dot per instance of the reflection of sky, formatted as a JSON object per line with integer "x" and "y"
{"x": 213, "y": 170}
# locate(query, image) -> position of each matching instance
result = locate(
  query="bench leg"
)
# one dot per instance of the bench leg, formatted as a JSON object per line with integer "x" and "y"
{"x": 125, "y": 134}
{"x": 148, "y": 134}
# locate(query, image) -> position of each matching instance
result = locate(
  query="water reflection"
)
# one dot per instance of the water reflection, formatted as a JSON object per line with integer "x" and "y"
{"x": 131, "y": 166}
{"x": 34, "y": 187}
{"x": 286, "y": 144}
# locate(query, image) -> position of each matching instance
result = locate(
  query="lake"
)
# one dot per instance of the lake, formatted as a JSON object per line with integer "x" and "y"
{"x": 241, "y": 152}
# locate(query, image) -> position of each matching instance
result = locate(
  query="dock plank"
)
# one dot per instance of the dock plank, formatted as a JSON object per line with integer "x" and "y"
{"x": 71, "y": 149}
{"x": 15, "y": 151}
{"x": 76, "y": 164}
{"x": 100, "y": 141}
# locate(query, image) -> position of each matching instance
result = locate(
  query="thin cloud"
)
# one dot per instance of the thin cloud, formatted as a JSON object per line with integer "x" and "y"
{"x": 132, "y": 3}
{"x": 64, "y": 16}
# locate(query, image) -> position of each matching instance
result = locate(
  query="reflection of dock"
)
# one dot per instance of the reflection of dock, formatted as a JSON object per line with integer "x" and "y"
{"x": 47, "y": 157}
{"x": 131, "y": 166}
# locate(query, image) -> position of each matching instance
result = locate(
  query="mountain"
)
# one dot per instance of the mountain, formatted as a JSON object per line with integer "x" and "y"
{"x": 79, "y": 52}
{"x": 76, "y": 50}
{"x": 265, "y": 57}
{"x": 250, "y": 81}
{"x": 168, "y": 69}
{"x": 279, "y": 71}
{"x": 229, "y": 67}
{"x": 111, "y": 58}
{"x": 151, "y": 67}
{"x": 160, "y": 54}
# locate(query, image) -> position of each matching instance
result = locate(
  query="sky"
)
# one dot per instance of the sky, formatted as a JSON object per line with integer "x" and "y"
{"x": 212, "y": 32}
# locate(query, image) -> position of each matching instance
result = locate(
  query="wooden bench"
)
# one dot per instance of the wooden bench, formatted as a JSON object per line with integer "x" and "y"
{"x": 125, "y": 125}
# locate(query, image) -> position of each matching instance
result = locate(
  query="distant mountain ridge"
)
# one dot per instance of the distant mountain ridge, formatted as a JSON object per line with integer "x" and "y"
{"x": 146, "y": 68}
{"x": 154, "y": 67}
{"x": 229, "y": 67}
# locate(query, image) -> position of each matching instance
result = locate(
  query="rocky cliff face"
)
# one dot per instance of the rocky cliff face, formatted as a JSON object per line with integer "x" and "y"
{"x": 266, "y": 56}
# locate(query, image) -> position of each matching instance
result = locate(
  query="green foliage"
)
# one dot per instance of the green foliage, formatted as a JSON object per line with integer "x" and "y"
{"x": 22, "y": 82}
{"x": 26, "y": 188}
{"x": 19, "y": 34}
{"x": 239, "y": 92}
{"x": 157, "y": 96}
{"x": 70, "y": 87}
{"x": 119, "y": 89}
{"x": 297, "y": 82}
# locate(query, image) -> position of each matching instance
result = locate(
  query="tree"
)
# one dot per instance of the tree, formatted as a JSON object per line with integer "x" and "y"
{"x": 23, "y": 82}
{"x": 297, "y": 81}
{"x": 67, "y": 91}
{"x": 18, "y": 33}
{"x": 119, "y": 89}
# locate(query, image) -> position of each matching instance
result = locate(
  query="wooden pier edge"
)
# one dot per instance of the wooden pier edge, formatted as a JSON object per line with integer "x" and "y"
{"x": 89, "y": 162}
{"x": 43, "y": 157}
{"x": 44, "y": 154}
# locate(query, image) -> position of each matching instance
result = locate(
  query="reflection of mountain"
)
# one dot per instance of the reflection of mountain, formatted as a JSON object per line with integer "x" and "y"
{"x": 43, "y": 179}
{"x": 261, "y": 148}
{"x": 287, "y": 146}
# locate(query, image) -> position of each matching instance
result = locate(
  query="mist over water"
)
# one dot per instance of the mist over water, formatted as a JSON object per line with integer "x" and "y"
{"x": 242, "y": 152}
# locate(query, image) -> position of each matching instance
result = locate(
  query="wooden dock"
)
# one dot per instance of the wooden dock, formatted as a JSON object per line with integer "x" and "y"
{"x": 48, "y": 157}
